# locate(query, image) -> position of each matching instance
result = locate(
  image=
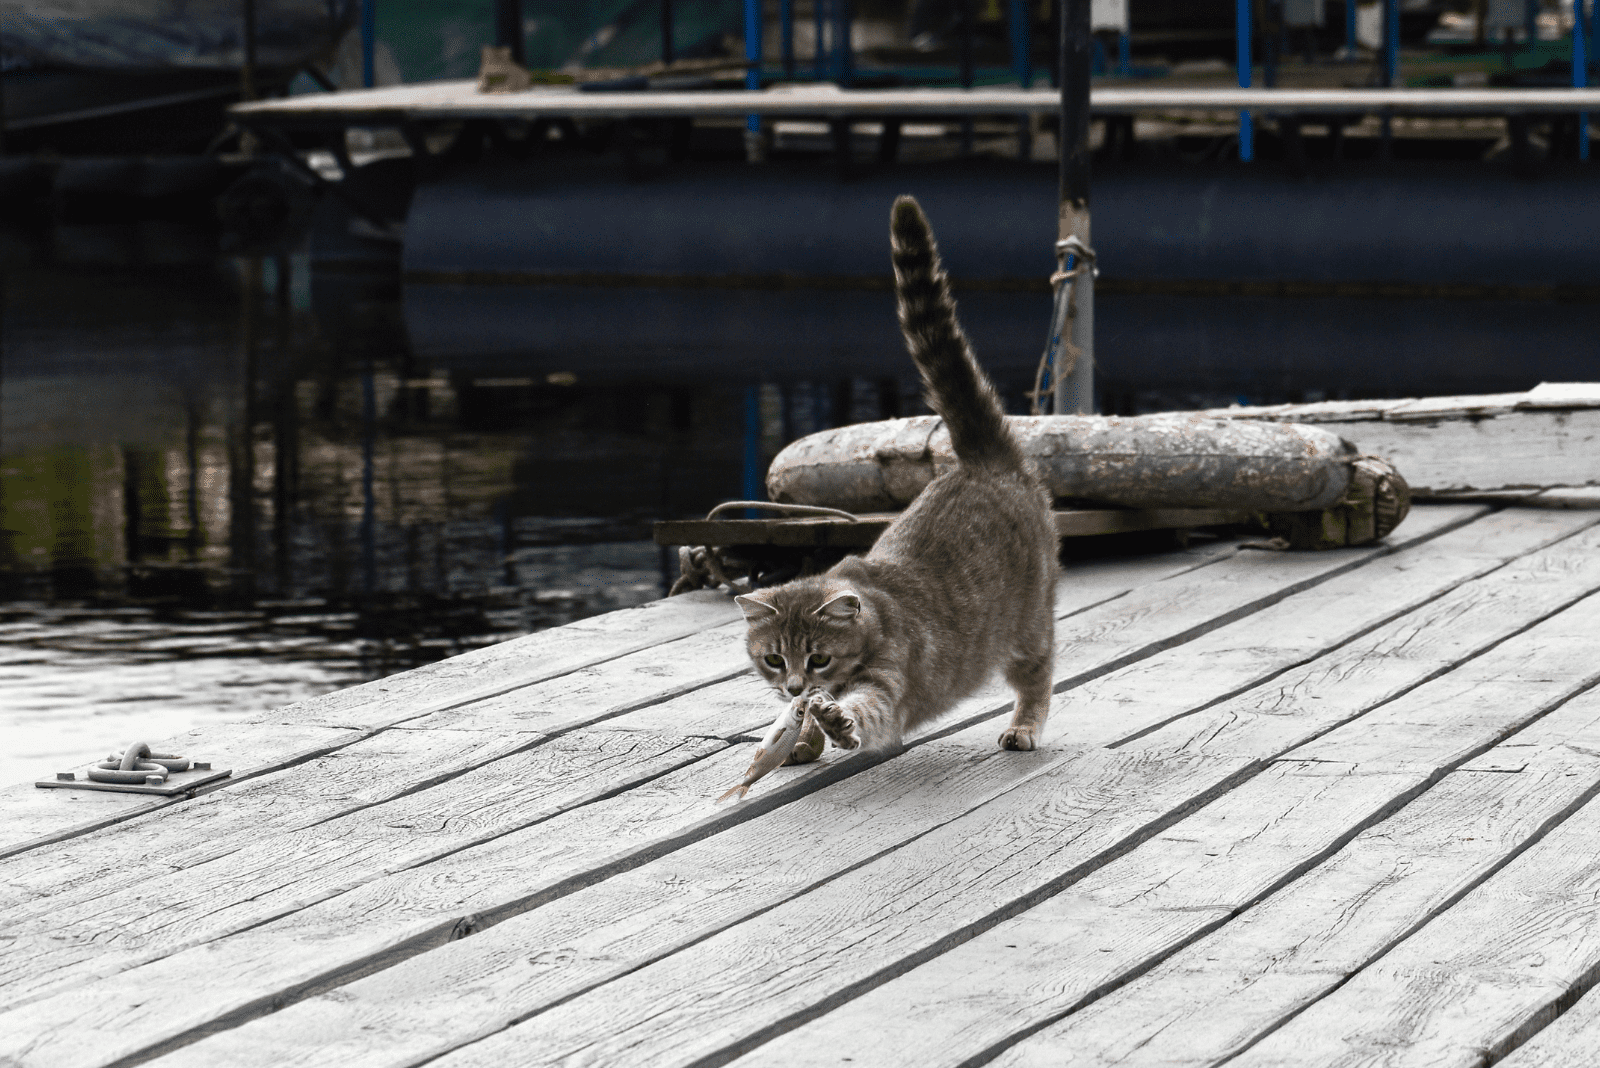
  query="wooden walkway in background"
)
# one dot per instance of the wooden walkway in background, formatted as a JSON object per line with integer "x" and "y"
{"x": 1311, "y": 809}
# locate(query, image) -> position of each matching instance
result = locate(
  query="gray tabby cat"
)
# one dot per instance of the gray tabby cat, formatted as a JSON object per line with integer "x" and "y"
{"x": 962, "y": 583}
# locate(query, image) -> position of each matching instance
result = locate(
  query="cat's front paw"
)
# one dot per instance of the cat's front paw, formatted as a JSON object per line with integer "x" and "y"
{"x": 811, "y": 743}
{"x": 1019, "y": 738}
{"x": 833, "y": 719}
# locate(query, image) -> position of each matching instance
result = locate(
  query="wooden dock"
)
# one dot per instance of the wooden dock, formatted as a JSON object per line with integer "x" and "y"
{"x": 453, "y": 100}
{"x": 1294, "y": 809}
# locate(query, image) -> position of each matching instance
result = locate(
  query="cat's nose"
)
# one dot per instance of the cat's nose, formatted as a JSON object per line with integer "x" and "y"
{"x": 794, "y": 686}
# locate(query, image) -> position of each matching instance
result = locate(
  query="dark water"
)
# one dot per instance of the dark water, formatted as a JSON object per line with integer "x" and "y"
{"x": 228, "y": 484}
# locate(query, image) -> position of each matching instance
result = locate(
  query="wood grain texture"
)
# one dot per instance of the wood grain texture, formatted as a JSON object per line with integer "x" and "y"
{"x": 1554, "y": 584}
{"x": 30, "y": 817}
{"x": 559, "y": 948}
{"x": 1222, "y": 993}
{"x": 1516, "y": 449}
{"x": 1188, "y": 605}
{"x": 1569, "y": 1042}
{"x": 509, "y": 665}
{"x": 1144, "y": 907}
{"x": 731, "y": 708}
{"x": 60, "y": 939}
{"x": 1045, "y": 830}
{"x": 1552, "y": 560}
{"x": 1185, "y": 602}
{"x": 1473, "y": 982}
{"x": 288, "y": 735}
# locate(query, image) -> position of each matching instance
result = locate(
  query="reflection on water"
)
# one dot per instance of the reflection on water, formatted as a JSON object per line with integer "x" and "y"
{"x": 215, "y": 499}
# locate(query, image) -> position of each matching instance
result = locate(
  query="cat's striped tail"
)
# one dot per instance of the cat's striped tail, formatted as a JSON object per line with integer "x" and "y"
{"x": 955, "y": 385}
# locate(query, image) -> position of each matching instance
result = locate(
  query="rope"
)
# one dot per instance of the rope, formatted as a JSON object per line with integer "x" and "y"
{"x": 137, "y": 764}
{"x": 1064, "y": 309}
{"x": 710, "y": 566}
{"x": 774, "y": 506}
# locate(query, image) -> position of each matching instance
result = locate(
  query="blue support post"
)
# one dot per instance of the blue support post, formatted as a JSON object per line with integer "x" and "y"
{"x": 1242, "y": 19}
{"x": 786, "y": 32}
{"x": 752, "y": 489}
{"x": 845, "y": 63}
{"x": 1350, "y": 29}
{"x": 369, "y": 40}
{"x": 1530, "y": 23}
{"x": 1021, "y": 43}
{"x": 1391, "y": 41}
{"x": 820, "y": 12}
{"x": 752, "y": 55}
{"x": 1594, "y": 31}
{"x": 1580, "y": 73}
{"x": 1124, "y": 55}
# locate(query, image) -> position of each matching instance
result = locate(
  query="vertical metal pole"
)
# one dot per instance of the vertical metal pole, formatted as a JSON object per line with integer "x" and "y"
{"x": 369, "y": 520}
{"x": 1594, "y": 30}
{"x": 666, "y": 31}
{"x": 247, "y": 71}
{"x": 1349, "y": 29}
{"x": 369, "y": 40}
{"x": 1530, "y": 23}
{"x": 752, "y": 489}
{"x": 1580, "y": 73}
{"x": 1391, "y": 67}
{"x": 786, "y": 30}
{"x": 752, "y": 72}
{"x": 1021, "y": 43}
{"x": 1022, "y": 66}
{"x": 1241, "y": 31}
{"x": 846, "y": 65}
{"x": 508, "y": 28}
{"x": 1391, "y": 42}
{"x": 819, "y": 12}
{"x": 1074, "y": 391}
{"x": 965, "y": 64}
{"x": 1124, "y": 54}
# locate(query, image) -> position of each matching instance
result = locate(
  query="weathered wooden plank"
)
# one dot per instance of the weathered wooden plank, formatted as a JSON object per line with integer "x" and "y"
{"x": 1223, "y": 992}
{"x": 1519, "y": 449}
{"x": 1527, "y": 566}
{"x": 30, "y": 817}
{"x": 1040, "y": 977}
{"x": 864, "y": 530}
{"x": 729, "y": 991}
{"x": 1232, "y": 590}
{"x": 461, "y": 100}
{"x": 726, "y": 710}
{"x": 514, "y": 664}
{"x": 391, "y": 999}
{"x": 214, "y": 826}
{"x": 288, "y": 736}
{"x": 1473, "y": 982}
{"x": 61, "y": 938}
{"x": 658, "y": 906}
{"x": 1569, "y": 1042}
{"x": 1059, "y": 966}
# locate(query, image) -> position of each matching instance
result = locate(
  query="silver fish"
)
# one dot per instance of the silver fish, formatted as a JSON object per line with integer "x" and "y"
{"x": 773, "y": 750}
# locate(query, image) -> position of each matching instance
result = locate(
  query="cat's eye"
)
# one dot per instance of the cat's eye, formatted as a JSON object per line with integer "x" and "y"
{"x": 819, "y": 660}
{"x": 773, "y": 660}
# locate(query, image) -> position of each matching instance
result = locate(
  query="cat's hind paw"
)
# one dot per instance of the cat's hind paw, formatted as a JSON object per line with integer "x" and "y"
{"x": 1018, "y": 738}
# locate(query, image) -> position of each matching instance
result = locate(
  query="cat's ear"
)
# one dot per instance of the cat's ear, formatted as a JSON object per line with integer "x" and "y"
{"x": 841, "y": 606}
{"x": 754, "y": 609}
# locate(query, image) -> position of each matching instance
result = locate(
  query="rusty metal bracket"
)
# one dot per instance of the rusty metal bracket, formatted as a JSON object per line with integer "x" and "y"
{"x": 136, "y": 770}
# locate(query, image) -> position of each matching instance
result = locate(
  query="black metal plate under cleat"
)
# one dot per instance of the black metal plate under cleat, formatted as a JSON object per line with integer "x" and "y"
{"x": 137, "y": 770}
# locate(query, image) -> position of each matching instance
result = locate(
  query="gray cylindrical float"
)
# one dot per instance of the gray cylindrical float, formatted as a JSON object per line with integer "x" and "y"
{"x": 1162, "y": 461}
